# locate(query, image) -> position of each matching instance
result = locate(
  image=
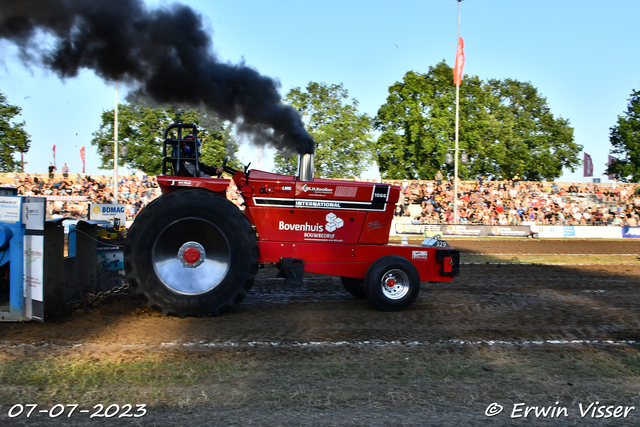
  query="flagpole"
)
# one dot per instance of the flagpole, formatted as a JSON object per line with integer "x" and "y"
{"x": 115, "y": 150}
{"x": 455, "y": 162}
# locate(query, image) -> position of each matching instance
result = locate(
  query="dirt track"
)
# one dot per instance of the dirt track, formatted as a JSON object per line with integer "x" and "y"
{"x": 522, "y": 305}
{"x": 487, "y": 302}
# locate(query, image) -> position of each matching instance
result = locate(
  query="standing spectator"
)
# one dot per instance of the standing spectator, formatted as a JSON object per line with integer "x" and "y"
{"x": 400, "y": 208}
{"x": 516, "y": 180}
{"x": 481, "y": 181}
{"x": 52, "y": 169}
{"x": 65, "y": 171}
{"x": 439, "y": 177}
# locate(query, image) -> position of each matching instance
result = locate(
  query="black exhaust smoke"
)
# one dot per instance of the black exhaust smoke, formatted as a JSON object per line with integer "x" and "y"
{"x": 166, "y": 53}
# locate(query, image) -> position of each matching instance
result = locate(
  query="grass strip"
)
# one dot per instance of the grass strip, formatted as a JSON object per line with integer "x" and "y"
{"x": 277, "y": 379}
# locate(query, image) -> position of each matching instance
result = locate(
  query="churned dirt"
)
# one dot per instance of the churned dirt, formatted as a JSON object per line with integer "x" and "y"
{"x": 486, "y": 302}
{"x": 540, "y": 309}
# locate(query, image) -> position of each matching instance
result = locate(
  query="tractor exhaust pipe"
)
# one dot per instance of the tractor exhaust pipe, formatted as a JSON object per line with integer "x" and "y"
{"x": 305, "y": 167}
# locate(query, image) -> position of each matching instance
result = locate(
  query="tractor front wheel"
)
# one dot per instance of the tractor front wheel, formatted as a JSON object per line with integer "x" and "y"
{"x": 190, "y": 253}
{"x": 392, "y": 283}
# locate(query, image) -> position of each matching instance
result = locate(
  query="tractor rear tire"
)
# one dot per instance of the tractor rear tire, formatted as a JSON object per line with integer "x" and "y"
{"x": 392, "y": 283}
{"x": 191, "y": 253}
{"x": 354, "y": 286}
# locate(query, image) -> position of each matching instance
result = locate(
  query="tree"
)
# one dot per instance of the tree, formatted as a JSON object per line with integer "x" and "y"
{"x": 625, "y": 139}
{"x": 535, "y": 144}
{"x": 343, "y": 141}
{"x": 13, "y": 137}
{"x": 505, "y": 128}
{"x": 142, "y": 127}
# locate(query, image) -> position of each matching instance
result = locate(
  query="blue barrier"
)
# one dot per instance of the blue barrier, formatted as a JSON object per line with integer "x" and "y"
{"x": 21, "y": 257}
{"x": 33, "y": 268}
{"x": 11, "y": 236}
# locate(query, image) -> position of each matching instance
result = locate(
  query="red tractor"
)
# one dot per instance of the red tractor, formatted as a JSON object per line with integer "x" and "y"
{"x": 192, "y": 252}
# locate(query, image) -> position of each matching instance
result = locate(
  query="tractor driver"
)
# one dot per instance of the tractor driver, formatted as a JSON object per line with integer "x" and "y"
{"x": 188, "y": 165}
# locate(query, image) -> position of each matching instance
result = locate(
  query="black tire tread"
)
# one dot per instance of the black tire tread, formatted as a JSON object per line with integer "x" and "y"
{"x": 354, "y": 286}
{"x": 152, "y": 292}
{"x": 374, "y": 274}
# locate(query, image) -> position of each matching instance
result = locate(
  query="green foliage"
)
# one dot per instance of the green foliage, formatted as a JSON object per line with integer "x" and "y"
{"x": 343, "y": 140}
{"x": 505, "y": 127}
{"x": 13, "y": 138}
{"x": 142, "y": 128}
{"x": 625, "y": 139}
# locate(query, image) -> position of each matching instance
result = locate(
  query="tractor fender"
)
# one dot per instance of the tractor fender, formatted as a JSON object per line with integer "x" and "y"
{"x": 169, "y": 184}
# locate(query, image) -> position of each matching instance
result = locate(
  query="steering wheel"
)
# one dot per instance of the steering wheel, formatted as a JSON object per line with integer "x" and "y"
{"x": 224, "y": 165}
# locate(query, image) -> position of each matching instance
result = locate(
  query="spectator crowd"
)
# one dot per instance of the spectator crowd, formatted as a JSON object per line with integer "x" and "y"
{"x": 514, "y": 202}
{"x": 70, "y": 196}
{"x": 430, "y": 202}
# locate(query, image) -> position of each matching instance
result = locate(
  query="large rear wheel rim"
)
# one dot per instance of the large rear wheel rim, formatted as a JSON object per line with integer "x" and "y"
{"x": 191, "y": 256}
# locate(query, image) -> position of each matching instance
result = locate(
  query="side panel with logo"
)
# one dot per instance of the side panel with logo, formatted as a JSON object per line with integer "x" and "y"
{"x": 267, "y": 194}
{"x": 376, "y": 228}
{"x": 266, "y": 190}
{"x": 343, "y": 195}
{"x": 308, "y": 225}
{"x": 322, "y": 210}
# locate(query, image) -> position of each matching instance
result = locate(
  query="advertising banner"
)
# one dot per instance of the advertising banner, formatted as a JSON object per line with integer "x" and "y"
{"x": 33, "y": 217}
{"x": 9, "y": 209}
{"x": 33, "y": 276}
{"x": 601, "y": 232}
{"x": 581, "y": 232}
{"x": 550, "y": 231}
{"x": 487, "y": 230}
{"x": 107, "y": 211}
{"x": 631, "y": 232}
{"x": 408, "y": 228}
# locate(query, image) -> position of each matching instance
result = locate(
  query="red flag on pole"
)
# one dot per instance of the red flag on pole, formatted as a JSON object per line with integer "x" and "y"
{"x": 54, "y": 154}
{"x": 588, "y": 165}
{"x": 457, "y": 70}
{"x": 82, "y": 157}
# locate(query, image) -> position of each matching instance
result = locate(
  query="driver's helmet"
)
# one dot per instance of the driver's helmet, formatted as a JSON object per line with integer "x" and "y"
{"x": 187, "y": 147}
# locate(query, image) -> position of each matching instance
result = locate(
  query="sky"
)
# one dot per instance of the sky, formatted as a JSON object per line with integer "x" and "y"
{"x": 579, "y": 54}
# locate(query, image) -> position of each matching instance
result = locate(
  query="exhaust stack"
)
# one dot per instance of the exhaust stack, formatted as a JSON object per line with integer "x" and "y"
{"x": 305, "y": 167}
